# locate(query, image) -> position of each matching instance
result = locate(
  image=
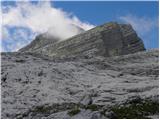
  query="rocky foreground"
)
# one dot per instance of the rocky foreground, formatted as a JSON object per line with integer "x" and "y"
{"x": 80, "y": 87}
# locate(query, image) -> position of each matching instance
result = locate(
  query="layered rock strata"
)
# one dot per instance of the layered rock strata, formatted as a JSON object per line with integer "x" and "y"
{"x": 109, "y": 39}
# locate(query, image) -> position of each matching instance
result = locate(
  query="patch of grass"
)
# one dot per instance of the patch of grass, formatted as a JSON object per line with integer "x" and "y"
{"x": 136, "y": 110}
{"x": 42, "y": 109}
{"x": 92, "y": 107}
{"x": 46, "y": 110}
{"x": 135, "y": 100}
{"x": 74, "y": 111}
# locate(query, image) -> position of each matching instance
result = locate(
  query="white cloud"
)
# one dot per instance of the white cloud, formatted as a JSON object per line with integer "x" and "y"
{"x": 15, "y": 39}
{"x": 142, "y": 25}
{"x": 39, "y": 18}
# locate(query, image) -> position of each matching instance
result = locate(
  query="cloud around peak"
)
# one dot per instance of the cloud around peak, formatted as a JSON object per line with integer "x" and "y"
{"x": 146, "y": 27}
{"x": 39, "y": 18}
{"x": 142, "y": 25}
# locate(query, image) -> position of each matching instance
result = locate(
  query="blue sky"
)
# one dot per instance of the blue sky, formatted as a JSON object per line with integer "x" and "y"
{"x": 101, "y": 12}
{"x": 19, "y": 19}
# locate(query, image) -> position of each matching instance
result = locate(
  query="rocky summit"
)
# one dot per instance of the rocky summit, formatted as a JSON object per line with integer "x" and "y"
{"x": 102, "y": 73}
{"x": 110, "y": 39}
{"x": 44, "y": 39}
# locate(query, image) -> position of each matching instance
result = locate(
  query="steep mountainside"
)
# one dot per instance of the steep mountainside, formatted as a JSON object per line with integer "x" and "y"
{"x": 110, "y": 39}
{"x": 80, "y": 87}
{"x": 40, "y": 41}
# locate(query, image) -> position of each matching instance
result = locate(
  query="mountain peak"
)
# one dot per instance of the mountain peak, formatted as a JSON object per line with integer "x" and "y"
{"x": 46, "y": 38}
{"x": 109, "y": 39}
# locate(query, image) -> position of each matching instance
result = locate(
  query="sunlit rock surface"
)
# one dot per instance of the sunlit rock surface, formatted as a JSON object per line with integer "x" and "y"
{"x": 33, "y": 86}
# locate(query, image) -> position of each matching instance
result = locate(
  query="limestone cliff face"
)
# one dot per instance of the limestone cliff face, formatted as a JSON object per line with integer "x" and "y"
{"x": 40, "y": 41}
{"x": 110, "y": 39}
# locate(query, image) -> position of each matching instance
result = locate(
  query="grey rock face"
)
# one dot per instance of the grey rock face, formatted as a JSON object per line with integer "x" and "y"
{"x": 110, "y": 39}
{"x": 34, "y": 87}
{"x": 40, "y": 41}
